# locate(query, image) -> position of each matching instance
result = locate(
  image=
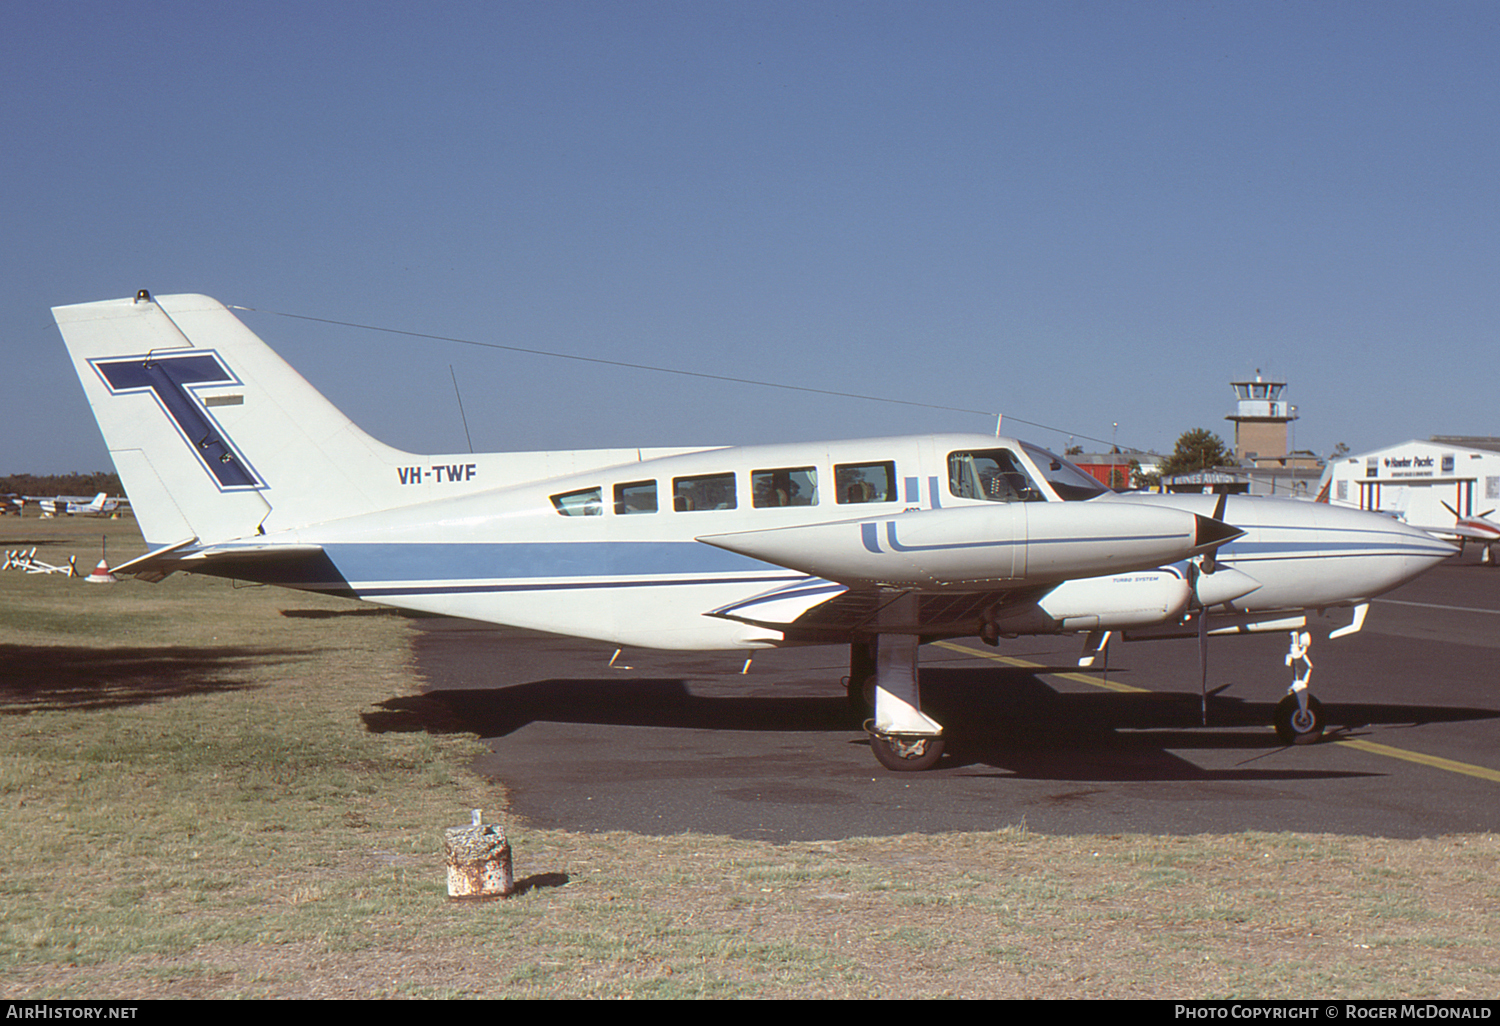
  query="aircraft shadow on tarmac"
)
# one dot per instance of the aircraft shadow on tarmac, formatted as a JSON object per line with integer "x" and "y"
{"x": 1009, "y": 719}
{"x": 36, "y": 678}
{"x": 353, "y": 611}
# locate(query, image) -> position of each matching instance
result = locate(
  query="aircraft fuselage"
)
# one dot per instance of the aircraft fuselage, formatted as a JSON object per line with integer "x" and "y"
{"x": 638, "y": 553}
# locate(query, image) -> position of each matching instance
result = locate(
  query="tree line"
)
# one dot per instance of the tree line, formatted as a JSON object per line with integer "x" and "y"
{"x": 62, "y": 484}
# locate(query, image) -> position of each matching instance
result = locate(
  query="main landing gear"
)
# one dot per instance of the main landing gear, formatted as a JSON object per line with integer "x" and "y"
{"x": 883, "y": 675}
{"x": 906, "y": 753}
{"x": 883, "y": 672}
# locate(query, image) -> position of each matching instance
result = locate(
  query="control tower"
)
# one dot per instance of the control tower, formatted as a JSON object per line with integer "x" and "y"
{"x": 1260, "y": 422}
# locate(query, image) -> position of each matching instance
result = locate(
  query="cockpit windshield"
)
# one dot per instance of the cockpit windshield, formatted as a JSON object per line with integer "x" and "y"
{"x": 1068, "y": 481}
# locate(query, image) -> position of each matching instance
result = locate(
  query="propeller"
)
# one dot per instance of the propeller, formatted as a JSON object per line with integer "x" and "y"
{"x": 1207, "y": 564}
{"x": 1458, "y": 519}
{"x": 1459, "y": 516}
{"x": 1203, "y": 664}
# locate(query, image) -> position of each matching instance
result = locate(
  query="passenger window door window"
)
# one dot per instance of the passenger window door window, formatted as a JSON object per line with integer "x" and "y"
{"x": 635, "y": 497}
{"x": 865, "y": 482}
{"x": 586, "y": 502}
{"x": 706, "y": 491}
{"x": 789, "y": 486}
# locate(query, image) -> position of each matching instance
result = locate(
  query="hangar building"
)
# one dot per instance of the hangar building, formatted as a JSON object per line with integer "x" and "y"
{"x": 1414, "y": 479}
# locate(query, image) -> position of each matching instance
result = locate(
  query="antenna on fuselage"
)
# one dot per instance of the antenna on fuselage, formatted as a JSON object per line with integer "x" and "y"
{"x": 461, "y": 407}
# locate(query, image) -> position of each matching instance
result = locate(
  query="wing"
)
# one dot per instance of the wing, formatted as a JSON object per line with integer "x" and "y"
{"x": 819, "y": 610}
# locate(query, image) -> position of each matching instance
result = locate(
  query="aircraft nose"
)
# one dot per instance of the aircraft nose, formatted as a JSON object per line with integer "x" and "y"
{"x": 1439, "y": 549}
{"x": 1408, "y": 552}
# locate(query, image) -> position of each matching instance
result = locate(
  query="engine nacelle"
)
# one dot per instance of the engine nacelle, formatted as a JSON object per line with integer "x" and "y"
{"x": 997, "y": 544}
{"x": 1098, "y": 603}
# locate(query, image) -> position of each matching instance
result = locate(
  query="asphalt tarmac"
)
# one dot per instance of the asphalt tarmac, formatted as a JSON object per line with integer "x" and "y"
{"x": 668, "y": 742}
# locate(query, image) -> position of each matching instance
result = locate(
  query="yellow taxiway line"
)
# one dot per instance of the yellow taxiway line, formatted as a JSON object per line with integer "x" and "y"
{"x": 1435, "y": 761}
{"x": 1078, "y": 678}
{"x": 1373, "y": 747}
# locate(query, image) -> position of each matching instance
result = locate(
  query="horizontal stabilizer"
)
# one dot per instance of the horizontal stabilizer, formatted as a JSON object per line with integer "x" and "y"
{"x": 294, "y": 566}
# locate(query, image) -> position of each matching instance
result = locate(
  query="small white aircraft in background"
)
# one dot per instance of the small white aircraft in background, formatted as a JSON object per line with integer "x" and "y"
{"x": 236, "y": 466}
{"x": 1478, "y": 528}
{"x": 75, "y": 505}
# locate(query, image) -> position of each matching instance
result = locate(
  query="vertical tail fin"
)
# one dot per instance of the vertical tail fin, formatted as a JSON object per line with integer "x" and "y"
{"x": 214, "y": 436}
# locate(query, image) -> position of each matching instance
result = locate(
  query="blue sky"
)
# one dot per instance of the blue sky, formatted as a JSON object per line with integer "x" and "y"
{"x": 1077, "y": 214}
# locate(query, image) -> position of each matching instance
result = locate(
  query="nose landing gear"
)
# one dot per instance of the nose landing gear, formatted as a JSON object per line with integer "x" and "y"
{"x": 1299, "y": 716}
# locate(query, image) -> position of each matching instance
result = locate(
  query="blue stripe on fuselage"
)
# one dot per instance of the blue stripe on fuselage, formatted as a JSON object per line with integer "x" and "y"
{"x": 451, "y": 588}
{"x": 459, "y": 562}
{"x": 1379, "y": 545}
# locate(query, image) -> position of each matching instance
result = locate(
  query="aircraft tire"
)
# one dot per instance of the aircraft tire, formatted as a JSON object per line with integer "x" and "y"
{"x": 1295, "y": 728}
{"x": 861, "y": 696}
{"x": 906, "y": 756}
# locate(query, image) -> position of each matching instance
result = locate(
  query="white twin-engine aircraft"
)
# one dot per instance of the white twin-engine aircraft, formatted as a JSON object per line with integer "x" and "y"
{"x": 236, "y": 466}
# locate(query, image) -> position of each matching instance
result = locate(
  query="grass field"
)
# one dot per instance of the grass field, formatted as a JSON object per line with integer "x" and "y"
{"x": 219, "y": 791}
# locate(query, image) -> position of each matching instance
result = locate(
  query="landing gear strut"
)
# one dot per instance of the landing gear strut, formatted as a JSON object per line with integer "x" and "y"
{"x": 1299, "y": 716}
{"x": 861, "y": 681}
{"x": 901, "y": 736}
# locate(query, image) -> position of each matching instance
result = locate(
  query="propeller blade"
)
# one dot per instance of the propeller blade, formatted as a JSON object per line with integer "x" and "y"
{"x": 1210, "y": 563}
{"x": 1207, "y": 564}
{"x": 1203, "y": 662}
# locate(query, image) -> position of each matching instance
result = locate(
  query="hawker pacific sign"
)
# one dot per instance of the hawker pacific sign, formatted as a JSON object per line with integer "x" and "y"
{"x": 1411, "y": 464}
{"x": 1415, "y": 466}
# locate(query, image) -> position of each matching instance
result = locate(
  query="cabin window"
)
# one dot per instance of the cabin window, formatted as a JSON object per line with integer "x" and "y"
{"x": 586, "y": 502}
{"x": 865, "y": 482}
{"x": 706, "y": 491}
{"x": 994, "y": 475}
{"x": 789, "y": 486}
{"x": 635, "y": 497}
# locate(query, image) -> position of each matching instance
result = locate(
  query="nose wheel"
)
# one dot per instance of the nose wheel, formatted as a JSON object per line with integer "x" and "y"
{"x": 1296, "y": 725}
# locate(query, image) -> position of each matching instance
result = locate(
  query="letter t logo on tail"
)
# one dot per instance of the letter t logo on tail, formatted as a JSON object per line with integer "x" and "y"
{"x": 167, "y": 378}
